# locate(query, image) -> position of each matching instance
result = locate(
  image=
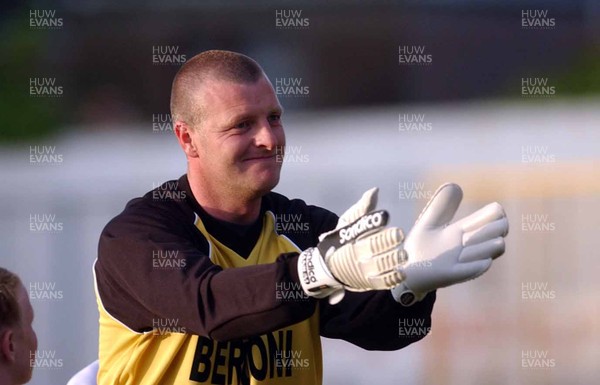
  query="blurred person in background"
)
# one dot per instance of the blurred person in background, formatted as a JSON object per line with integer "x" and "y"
{"x": 18, "y": 341}
{"x": 216, "y": 279}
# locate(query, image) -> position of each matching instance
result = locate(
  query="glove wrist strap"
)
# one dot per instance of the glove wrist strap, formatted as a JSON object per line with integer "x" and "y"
{"x": 405, "y": 296}
{"x": 315, "y": 278}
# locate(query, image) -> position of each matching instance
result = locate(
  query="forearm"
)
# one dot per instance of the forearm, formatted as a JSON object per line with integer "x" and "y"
{"x": 202, "y": 298}
{"x": 374, "y": 321}
{"x": 244, "y": 302}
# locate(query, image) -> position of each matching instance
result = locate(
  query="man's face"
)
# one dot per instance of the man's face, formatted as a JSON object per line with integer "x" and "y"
{"x": 238, "y": 137}
{"x": 25, "y": 339}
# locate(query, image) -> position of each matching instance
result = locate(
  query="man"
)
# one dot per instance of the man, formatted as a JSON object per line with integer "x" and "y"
{"x": 199, "y": 282}
{"x": 17, "y": 338}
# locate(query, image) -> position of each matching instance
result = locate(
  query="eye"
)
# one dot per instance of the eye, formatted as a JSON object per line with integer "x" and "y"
{"x": 275, "y": 118}
{"x": 242, "y": 125}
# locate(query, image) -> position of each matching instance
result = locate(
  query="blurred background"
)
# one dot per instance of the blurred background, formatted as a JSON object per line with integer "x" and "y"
{"x": 501, "y": 97}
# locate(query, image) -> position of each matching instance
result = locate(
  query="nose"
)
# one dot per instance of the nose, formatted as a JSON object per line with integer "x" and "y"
{"x": 265, "y": 136}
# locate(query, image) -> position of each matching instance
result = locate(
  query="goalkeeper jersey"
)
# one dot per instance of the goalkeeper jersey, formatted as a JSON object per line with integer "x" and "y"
{"x": 185, "y": 298}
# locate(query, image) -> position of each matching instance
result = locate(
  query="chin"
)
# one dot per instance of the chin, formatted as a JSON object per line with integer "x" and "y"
{"x": 267, "y": 187}
{"x": 267, "y": 184}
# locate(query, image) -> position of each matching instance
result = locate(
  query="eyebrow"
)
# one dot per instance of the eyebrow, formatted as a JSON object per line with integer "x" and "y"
{"x": 245, "y": 116}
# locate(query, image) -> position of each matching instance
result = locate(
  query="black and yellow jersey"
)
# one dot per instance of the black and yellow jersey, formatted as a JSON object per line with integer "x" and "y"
{"x": 185, "y": 298}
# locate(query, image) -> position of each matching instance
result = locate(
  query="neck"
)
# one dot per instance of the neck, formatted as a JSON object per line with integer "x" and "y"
{"x": 224, "y": 206}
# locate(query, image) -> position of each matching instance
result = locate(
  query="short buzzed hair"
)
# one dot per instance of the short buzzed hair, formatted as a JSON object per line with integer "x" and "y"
{"x": 10, "y": 313}
{"x": 214, "y": 65}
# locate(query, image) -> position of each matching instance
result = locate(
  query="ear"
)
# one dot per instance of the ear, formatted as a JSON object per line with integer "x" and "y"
{"x": 7, "y": 345}
{"x": 184, "y": 133}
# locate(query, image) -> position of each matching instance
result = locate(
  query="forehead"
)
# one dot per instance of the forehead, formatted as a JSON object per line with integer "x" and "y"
{"x": 221, "y": 96}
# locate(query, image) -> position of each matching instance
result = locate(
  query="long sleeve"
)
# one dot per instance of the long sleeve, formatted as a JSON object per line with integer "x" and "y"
{"x": 138, "y": 287}
{"x": 374, "y": 321}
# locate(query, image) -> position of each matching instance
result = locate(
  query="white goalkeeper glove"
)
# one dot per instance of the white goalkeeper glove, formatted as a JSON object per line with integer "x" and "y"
{"x": 360, "y": 254}
{"x": 441, "y": 254}
{"x": 365, "y": 204}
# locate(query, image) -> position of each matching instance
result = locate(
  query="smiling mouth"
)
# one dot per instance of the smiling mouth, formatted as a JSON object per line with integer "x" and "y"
{"x": 266, "y": 157}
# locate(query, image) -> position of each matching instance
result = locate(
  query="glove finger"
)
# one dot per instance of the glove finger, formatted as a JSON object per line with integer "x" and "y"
{"x": 466, "y": 271}
{"x": 361, "y": 228}
{"x": 481, "y": 217}
{"x": 387, "y": 280}
{"x": 353, "y": 265}
{"x": 344, "y": 268}
{"x": 383, "y": 263}
{"x": 379, "y": 242}
{"x": 365, "y": 204}
{"x": 492, "y": 230}
{"x": 356, "y": 290}
{"x": 490, "y": 249}
{"x": 441, "y": 208}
